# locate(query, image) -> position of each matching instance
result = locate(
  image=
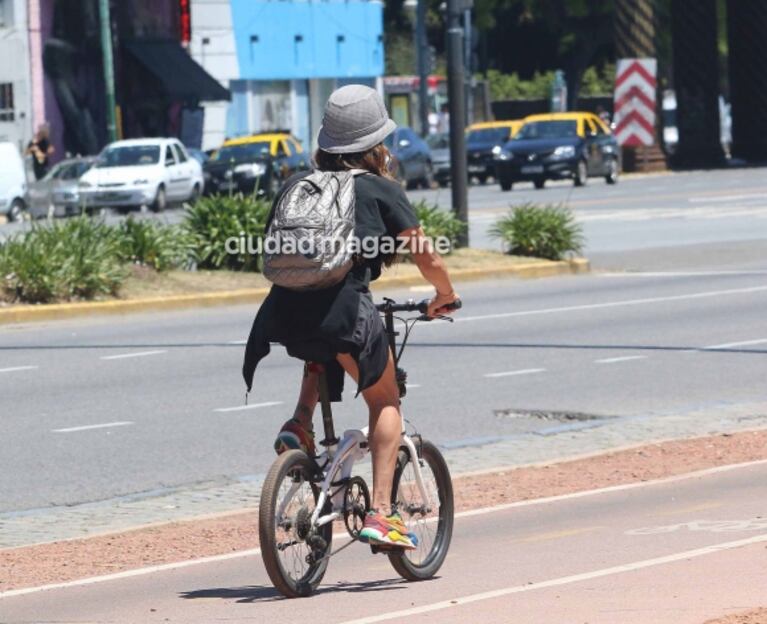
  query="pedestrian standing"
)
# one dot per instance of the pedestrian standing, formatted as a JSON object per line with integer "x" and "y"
{"x": 41, "y": 149}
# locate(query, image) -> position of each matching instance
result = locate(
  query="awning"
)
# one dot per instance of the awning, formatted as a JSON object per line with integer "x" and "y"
{"x": 177, "y": 71}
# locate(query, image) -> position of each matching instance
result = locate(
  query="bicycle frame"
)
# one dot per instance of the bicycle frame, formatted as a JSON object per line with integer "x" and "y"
{"x": 342, "y": 454}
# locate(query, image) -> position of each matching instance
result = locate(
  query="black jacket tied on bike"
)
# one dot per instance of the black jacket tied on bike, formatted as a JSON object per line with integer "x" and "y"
{"x": 316, "y": 325}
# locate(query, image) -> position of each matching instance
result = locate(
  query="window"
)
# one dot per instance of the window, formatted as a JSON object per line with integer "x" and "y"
{"x": 5, "y": 13}
{"x": 281, "y": 153}
{"x": 169, "y": 160}
{"x": 7, "y": 112}
{"x": 180, "y": 154}
{"x": 289, "y": 147}
{"x": 295, "y": 146}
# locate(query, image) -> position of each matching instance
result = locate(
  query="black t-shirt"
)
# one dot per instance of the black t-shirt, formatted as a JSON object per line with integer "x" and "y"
{"x": 40, "y": 165}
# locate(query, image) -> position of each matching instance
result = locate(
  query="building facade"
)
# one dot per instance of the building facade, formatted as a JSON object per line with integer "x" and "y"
{"x": 16, "y": 104}
{"x": 281, "y": 59}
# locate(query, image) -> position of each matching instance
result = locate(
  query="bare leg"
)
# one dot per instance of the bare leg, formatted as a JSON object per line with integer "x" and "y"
{"x": 385, "y": 429}
{"x": 307, "y": 400}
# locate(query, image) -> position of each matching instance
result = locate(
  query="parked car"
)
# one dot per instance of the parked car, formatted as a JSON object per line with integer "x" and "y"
{"x": 258, "y": 164}
{"x": 483, "y": 142}
{"x": 439, "y": 144}
{"x": 141, "y": 172}
{"x": 556, "y": 146}
{"x": 13, "y": 182}
{"x": 57, "y": 193}
{"x": 412, "y": 160}
{"x": 200, "y": 156}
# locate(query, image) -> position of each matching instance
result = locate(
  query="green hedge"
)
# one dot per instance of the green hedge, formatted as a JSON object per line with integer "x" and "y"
{"x": 75, "y": 259}
{"x": 548, "y": 231}
{"x": 437, "y": 222}
{"x": 211, "y": 221}
{"x": 154, "y": 244}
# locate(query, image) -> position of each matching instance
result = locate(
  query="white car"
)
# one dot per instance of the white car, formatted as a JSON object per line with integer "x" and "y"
{"x": 142, "y": 172}
{"x": 13, "y": 182}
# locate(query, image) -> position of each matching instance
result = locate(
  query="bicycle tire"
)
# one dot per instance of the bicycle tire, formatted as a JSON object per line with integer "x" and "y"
{"x": 300, "y": 466}
{"x": 429, "y": 562}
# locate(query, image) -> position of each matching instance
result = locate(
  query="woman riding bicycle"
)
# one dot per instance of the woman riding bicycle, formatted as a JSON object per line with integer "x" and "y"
{"x": 339, "y": 326}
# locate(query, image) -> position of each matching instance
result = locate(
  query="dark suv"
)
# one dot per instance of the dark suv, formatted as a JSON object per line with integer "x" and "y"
{"x": 559, "y": 146}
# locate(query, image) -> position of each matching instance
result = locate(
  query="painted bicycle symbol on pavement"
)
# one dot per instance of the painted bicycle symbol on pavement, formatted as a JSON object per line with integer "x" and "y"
{"x": 712, "y": 526}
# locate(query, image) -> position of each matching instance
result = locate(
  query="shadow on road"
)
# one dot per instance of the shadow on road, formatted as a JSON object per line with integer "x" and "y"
{"x": 267, "y": 593}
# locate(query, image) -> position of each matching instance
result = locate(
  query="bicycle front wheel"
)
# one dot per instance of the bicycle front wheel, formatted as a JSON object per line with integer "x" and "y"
{"x": 431, "y": 521}
{"x": 293, "y": 551}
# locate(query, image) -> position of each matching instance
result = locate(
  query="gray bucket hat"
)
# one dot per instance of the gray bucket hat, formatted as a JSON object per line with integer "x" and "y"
{"x": 355, "y": 120}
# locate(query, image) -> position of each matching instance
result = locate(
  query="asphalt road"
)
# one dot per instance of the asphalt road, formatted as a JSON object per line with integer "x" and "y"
{"x": 98, "y": 408}
{"x": 674, "y": 552}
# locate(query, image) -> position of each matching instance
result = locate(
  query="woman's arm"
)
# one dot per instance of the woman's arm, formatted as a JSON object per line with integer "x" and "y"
{"x": 432, "y": 267}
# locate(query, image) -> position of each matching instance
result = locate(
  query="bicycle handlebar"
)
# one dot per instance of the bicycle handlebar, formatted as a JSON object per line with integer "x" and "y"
{"x": 390, "y": 306}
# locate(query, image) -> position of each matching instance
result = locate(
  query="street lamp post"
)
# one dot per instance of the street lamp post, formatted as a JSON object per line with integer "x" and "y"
{"x": 456, "y": 94}
{"x": 109, "y": 72}
{"x": 422, "y": 61}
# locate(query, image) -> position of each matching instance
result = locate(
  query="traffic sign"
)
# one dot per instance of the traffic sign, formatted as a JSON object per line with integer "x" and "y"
{"x": 635, "y": 83}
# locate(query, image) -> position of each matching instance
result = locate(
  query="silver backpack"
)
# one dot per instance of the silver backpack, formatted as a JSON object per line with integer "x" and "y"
{"x": 309, "y": 242}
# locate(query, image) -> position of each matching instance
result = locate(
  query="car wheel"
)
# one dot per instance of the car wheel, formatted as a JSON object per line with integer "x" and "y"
{"x": 427, "y": 181}
{"x": 506, "y": 183}
{"x": 612, "y": 172}
{"x": 160, "y": 202}
{"x": 443, "y": 183}
{"x": 16, "y": 211}
{"x": 539, "y": 183}
{"x": 581, "y": 173}
{"x": 482, "y": 179}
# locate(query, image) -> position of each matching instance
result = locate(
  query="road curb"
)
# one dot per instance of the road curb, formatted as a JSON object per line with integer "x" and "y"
{"x": 58, "y": 311}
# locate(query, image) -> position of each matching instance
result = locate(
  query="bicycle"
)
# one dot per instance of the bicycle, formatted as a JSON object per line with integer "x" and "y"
{"x": 303, "y": 496}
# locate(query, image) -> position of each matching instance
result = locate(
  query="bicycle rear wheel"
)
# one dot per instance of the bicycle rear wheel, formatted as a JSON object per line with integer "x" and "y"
{"x": 432, "y": 524}
{"x": 293, "y": 552}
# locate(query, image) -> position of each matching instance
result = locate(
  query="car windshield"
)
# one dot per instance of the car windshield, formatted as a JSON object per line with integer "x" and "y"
{"x": 245, "y": 151}
{"x": 438, "y": 141}
{"x": 129, "y": 156}
{"x": 496, "y": 136}
{"x": 548, "y": 130}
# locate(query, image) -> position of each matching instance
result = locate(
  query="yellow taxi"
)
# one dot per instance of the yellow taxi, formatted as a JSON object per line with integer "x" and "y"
{"x": 553, "y": 146}
{"x": 483, "y": 141}
{"x": 257, "y": 163}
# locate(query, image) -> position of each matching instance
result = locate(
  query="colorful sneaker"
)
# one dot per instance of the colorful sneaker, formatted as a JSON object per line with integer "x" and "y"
{"x": 381, "y": 530}
{"x": 294, "y": 436}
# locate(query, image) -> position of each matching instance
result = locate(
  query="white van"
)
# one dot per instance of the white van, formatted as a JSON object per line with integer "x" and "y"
{"x": 13, "y": 182}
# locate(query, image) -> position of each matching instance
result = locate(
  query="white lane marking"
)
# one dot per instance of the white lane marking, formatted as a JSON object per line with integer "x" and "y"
{"x": 608, "y": 304}
{"x": 123, "y": 356}
{"x": 13, "y": 369}
{"x": 728, "y": 345}
{"x": 131, "y": 573}
{"x": 713, "y": 526}
{"x": 525, "y": 371}
{"x": 725, "y": 198}
{"x": 237, "y": 342}
{"x": 408, "y": 386}
{"x": 463, "y": 514}
{"x": 625, "y": 358}
{"x": 240, "y": 408}
{"x": 121, "y": 423}
{"x": 563, "y": 580}
{"x": 606, "y": 490}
